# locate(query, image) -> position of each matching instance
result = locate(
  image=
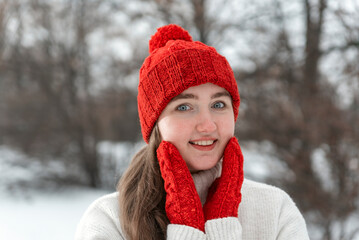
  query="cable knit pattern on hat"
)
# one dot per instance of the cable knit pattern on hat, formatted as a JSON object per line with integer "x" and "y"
{"x": 176, "y": 63}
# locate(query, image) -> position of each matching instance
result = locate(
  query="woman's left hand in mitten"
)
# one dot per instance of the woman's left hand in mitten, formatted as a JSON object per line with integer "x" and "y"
{"x": 224, "y": 195}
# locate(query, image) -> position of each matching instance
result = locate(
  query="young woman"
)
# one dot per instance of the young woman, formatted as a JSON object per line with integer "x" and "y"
{"x": 187, "y": 182}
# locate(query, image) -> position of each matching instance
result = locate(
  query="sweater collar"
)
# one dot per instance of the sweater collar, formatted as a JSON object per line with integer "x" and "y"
{"x": 204, "y": 179}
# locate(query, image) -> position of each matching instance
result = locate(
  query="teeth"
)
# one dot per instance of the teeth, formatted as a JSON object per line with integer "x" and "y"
{"x": 204, "y": 143}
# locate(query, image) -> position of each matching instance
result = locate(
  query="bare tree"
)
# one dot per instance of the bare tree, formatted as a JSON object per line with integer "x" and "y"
{"x": 54, "y": 76}
{"x": 3, "y": 24}
{"x": 292, "y": 105}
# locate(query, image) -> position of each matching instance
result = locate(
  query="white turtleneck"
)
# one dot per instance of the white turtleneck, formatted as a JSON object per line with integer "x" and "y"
{"x": 204, "y": 179}
{"x": 266, "y": 212}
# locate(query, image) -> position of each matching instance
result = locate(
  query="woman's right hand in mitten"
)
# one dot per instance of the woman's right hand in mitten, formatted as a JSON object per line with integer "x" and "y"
{"x": 183, "y": 205}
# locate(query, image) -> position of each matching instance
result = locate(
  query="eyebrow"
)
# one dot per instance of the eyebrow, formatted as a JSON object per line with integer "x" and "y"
{"x": 184, "y": 96}
{"x": 191, "y": 96}
{"x": 221, "y": 94}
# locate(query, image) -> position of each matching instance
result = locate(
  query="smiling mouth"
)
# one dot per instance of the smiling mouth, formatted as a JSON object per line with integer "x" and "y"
{"x": 203, "y": 143}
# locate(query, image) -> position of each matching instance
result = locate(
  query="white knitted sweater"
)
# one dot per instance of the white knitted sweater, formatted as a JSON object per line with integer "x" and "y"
{"x": 265, "y": 213}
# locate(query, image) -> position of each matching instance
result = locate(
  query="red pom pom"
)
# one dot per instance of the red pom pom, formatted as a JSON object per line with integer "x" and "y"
{"x": 166, "y": 33}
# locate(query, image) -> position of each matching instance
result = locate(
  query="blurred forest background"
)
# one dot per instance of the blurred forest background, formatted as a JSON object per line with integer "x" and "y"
{"x": 69, "y": 75}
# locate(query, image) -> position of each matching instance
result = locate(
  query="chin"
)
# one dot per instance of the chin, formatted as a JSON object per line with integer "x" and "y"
{"x": 203, "y": 167}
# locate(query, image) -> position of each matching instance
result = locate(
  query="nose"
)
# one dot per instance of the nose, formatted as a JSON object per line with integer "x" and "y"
{"x": 205, "y": 122}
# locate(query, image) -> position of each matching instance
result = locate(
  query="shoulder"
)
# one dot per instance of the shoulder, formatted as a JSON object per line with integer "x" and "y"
{"x": 108, "y": 203}
{"x": 105, "y": 206}
{"x": 100, "y": 220}
{"x": 272, "y": 207}
{"x": 252, "y": 188}
{"x": 270, "y": 197}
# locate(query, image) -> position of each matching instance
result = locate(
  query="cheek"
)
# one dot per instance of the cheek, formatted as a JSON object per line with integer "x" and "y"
{"x": 230, "y": 128}
{"x": 226, "y": 126}
{"x": 173, "y": 130}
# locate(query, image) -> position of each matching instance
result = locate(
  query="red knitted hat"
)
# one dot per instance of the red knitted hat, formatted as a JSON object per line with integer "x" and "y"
{"x": 176, "y": 63}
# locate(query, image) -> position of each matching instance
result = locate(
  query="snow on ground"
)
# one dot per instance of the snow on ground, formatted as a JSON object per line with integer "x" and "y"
{"x": 44, "y": 215}
{"x": 34, "y": 209}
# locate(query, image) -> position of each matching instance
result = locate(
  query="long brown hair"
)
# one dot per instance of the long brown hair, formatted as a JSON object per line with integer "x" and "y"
{"x": 142, "y": 196}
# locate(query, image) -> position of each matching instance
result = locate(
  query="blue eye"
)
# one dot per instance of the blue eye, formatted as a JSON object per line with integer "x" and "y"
{"x": 183, "y": 107}
{"x": 218, "y": 105}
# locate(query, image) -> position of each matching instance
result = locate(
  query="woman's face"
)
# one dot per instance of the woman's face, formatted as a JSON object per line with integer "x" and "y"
{"x": 199, "y": 122}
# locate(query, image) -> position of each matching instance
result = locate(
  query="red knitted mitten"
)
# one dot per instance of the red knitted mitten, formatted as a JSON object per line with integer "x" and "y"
{"x": 225, "y": 195}
{"x": 183, "y": 205}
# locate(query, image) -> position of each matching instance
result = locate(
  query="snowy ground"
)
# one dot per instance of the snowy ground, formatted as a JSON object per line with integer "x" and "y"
{"x": 32, "y": 208}
{"x": 44, "y": 215}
